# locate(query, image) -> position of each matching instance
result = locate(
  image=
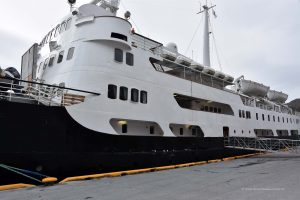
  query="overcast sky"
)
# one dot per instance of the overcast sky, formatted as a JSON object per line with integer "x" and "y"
{"x": 259, "y": 38}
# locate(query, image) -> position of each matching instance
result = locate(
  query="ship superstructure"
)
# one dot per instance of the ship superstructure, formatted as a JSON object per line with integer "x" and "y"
{"x": 108, "y": 89}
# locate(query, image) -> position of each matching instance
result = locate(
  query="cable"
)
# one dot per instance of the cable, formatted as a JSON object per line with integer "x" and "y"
{"x": 215, "y": 45}
{"x": 189, "y": 46}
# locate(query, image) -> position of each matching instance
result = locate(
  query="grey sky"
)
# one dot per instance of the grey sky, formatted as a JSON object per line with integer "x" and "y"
{"x": 259, "y": 38}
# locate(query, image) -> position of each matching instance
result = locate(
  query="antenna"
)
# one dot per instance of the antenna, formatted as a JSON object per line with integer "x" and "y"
{"x": 206, "y": 49}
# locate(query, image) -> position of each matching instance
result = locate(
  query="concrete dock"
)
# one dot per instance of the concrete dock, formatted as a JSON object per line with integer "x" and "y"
{"x": 266, "y": 177}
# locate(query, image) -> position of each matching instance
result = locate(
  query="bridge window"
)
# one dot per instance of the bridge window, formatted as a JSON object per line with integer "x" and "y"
{"x": 119, "y": 36}
{"x": 144, "y": 98}
{"x": 70, "y": 53}
{"x": 129, "y": 59}
{"x": 118, "y": 55}
{"x": 112, "y": 91}
{"x": 60, "y": 57}
{"x": 124, "y": 93}
{"x": 181, "y": 131}
{"x": 134, "y": 95}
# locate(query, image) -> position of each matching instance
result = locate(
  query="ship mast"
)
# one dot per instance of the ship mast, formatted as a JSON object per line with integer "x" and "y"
{"x": 206, "y": 38}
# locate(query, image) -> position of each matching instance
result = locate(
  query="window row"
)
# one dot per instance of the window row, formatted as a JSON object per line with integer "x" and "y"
{"x": 278, "y": 119}
{"x": 135, "y": 94}
{"x": 49, "y": 62}
{"x": 244, "y": 114}
{"x": 210, "y": 109}
{"x": 119, "y": 57}
{"x": 59, "y": 29}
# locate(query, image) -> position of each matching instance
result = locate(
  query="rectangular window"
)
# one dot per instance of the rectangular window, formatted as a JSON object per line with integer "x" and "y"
{"x": 243, "y": 113}
{"x": 119, "y": 36}
{"x": 282, "y": 119}
{"x": 60, "y": 57}
{"x": 70, "y": 53}
{"x": 151, "y": 130}
{"x": 278, "y": 119}
{"x": 112, "y": 92}
{"x": 263, "y": 117}
{"x": 206, "y": 108}
{"x": 134, "y": 95}
{"x": 118, "y": 55}
{"x": 181, "y": 131}
{"x": 129, "y": 59}
{"x": 219, "y": 110}
{"x": 256, "y": 116}
{"x": 211, "y": 109}
{"x": 193, "y": 131}
{"x": 240, "y": 113}
{"x": 144, "y": 97}
{"x": 215, "y": 110}
{"x": 274, "y": 118}
{"x": 51, "y": 61}
{"x": 124, "y": 128}
{"x": 268, "y": 117}
{"x": 124, "y": 93}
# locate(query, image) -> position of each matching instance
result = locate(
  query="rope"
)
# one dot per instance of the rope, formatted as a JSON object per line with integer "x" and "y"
{"x": 23, "y": 172}
{"x": 194, "y": 35}
{"x": 215, "y": 45}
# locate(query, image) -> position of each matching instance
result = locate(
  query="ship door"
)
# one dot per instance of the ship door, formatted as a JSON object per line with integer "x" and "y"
{"x": 225, "y": 132}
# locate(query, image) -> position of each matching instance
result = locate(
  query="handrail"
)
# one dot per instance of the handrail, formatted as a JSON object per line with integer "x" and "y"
{"x": 54, "y": 86}
{"x": 41, "y": 93}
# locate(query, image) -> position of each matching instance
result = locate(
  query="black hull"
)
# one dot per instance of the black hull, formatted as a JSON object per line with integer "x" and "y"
{"x": 47, "y": 138}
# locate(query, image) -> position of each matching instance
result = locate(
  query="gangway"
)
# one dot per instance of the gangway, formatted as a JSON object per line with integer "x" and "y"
{"x": 262, "y": 144}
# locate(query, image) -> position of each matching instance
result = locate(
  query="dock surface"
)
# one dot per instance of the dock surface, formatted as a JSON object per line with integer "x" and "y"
{"x": 273, "y": 176}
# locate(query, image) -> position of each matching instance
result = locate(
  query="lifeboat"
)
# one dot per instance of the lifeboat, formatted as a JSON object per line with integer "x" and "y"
{"x": 209, "y": 70}
{"x": 229, "y": 78}
{"x": 219, "y": 75}
{"x": 184, "y": 60}
{"x": 197, "y": 66}
{"x": 168, "y": 55}
{"x": 252, "y": 88}
{"x": 276, "y": 96}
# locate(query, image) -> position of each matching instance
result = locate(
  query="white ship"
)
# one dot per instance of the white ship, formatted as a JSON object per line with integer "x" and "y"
{"x": 95, "y": 94}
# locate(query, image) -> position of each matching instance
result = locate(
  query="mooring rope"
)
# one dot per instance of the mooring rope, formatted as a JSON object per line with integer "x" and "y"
{"x": 23, "y": 172}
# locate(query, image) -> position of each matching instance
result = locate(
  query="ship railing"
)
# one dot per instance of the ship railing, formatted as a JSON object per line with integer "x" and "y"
{"x": 39, "y": 93}
{"x": 146, "y": 44}
{"x": 262, "y": 144}
{"x": 191, "y": 74}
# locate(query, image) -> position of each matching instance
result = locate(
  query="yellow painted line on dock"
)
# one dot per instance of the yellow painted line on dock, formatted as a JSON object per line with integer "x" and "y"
{"x": 140, "y": 171}
{"x": 15, "y": 186}
{"x": 229, "y": 158}
{"x": 49, "y": 180}
{"x": 214, "y": 161}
